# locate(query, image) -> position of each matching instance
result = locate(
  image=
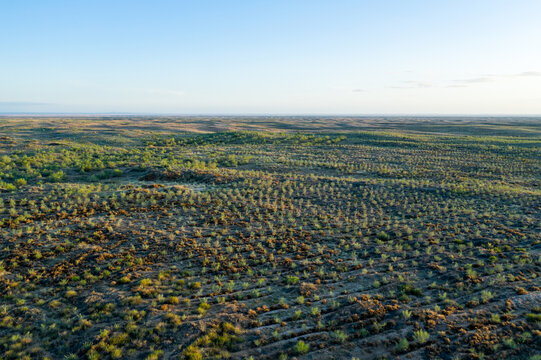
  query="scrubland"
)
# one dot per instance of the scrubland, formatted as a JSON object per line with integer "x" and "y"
{"x": 270, "y": 238}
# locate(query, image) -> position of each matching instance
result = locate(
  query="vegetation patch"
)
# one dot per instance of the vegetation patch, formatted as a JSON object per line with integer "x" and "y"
{"x": 311, "y": 238}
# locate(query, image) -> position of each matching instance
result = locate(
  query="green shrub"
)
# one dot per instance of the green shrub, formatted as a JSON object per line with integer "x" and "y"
{"x": 339, "y": 336}
{"x": 192, "y": 353}
{"x": 56, "y": 176}
{"x": 531, "y": 317}
{"x": 421, "y": 336}
{"x": 301, "y": 348}
{"x": 292, "y": 280}
{"x": 403, "y": 345}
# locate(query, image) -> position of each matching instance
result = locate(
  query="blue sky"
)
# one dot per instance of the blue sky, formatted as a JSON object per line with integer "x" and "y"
{"x": 271, "y": 57}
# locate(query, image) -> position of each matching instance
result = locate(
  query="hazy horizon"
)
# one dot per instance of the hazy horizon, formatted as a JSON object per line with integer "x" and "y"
{"x": 279, "y": 58}
{"x": 255, "y": 115}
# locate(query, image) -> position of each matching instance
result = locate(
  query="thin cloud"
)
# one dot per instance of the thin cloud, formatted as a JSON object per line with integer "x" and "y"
{"x": 166, "y": 92}
{"x": 462, "y": 83}
{"x": 413, "y": 84}
{"x": 23, "y": 103}
{"x": 528, "y": 74}
{"x": 418, "y": 84}
{"x": 494, "y": 77}
{"x": 358, "y": 90}
{"x": 477, "y": 80}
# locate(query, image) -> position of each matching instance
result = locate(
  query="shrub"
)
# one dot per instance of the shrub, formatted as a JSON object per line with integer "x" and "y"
{"x": 421, "y": 336}
{"x": 192, "y": 353}
{"x": 174, "y": 300}
{"x": 406, "y": 314}
{"x": 174, "y": 319}
{"x": 155, "y": 355}
{"x": 531, "y": 317}
{"x": 203, "y": 308}
{"x": 145, "y": 282}
{"x": 339, "y": 336}
{"x": 403, "y": 345}
{"x": 411, "y": 290}
{"x": 70, "y": 293}
{"x": 56, "y": 176}
{"x": 9, "y": 187}
{"x": 116, "y": 353}
{"x": 292, "y": 280}
{"x": 486, "y": 296}
{"x": 301, "y": 347}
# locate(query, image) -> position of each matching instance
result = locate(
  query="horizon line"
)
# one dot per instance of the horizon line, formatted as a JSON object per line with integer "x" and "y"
{"x": 83, "y": 114}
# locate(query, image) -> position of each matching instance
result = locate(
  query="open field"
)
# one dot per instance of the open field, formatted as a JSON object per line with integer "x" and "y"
{"x": 270, "y": 237}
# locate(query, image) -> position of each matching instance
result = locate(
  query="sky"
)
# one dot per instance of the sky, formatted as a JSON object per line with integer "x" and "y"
{"x": 281, "y": 57}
